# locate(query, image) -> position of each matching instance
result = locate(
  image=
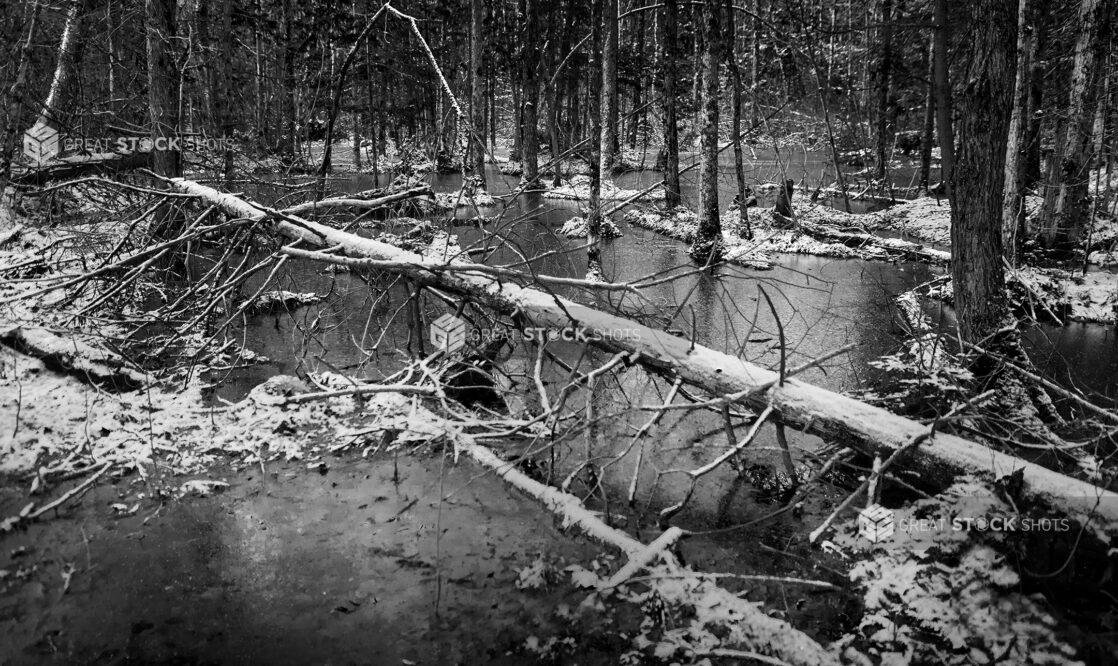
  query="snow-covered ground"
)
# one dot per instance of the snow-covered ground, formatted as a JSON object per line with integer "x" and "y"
{"x": 768, "y": 238}
{"x": 929, "y": 219}
{"x": 578, "y": 189}
{"x": 1092, "y": 297}
{"x": 925, "y": 218}
{"x": 576, "y": 227}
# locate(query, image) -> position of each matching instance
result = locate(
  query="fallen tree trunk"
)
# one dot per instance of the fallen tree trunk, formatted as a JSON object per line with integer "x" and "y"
{"x": 892, "y": 246}
{"x": 83, "y": 165}
{"x": 74, "y": 357}
{"x": 743, "y": 621}
{"x": 711, "y": 615}
{"x": 359, "y": 201}
{"x": 814, "y": 410}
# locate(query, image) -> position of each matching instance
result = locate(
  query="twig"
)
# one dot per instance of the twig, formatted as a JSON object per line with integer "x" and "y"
{"x": 360, "y": 390}
{"x": 640, "y": 433}
{"x": 879, "y": 470}
{"x": 638, "y": 561}
{"x": 71, "y": 494}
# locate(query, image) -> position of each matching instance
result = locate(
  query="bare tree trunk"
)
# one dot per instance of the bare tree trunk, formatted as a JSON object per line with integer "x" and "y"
{"x": 287, "y": 102}
{"x": 707, "y": 247}
{"x": 735, "y": 103}
{"x": 943, "y": 99}
{"x": 786, "y": 211}
{"x": 1035, "y": 120}
{"x": 929, "y": 133}
{"x": 163, "y": 87}
{"x": 881, "y": 78}
{"x": 258, "y": 102}
{"x": 977, "y": 192}
{"x": 610, "y": 33}
{"x": 1065, "y": 201}
{"x": 555, "y": 88}
{"x": 667, "y": 92}
{"x": 110, "y": 49}
{"x": 226, "y": 114}
{"x": 477, "y": 92}
{"x": 516, "y": 150}
{"x": 594, "y": 104}
{"x": 754, "y": 61}
{"x": 200, "y": 41}
{"x": 1016, "y": 147}
{"x": 531, "y": 65}
{"x": 15, "y": 100}
{"x": 697, "y": 32}
{"x": 66, "y": 47}
{"x": 633, "y": 127}
{"x": 357, "y": 140}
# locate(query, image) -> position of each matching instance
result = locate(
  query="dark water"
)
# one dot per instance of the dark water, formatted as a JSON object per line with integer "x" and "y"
{"x": 821, "y": 304}
{"x": 361, "y": 564}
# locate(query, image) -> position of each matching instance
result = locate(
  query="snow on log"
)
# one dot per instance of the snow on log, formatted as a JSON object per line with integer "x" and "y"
{"x": 744, "y": 622}
{"x": 279, "y": 300}
{"x": 82, "y": 165}
{"x": 359, "y": 201}
{"x": 74, "y": 357}
{"x": 815, "y": 410}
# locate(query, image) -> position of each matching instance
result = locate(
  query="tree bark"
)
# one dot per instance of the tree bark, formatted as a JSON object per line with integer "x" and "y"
{"x": 530, "y": 98}
{"x": 882, "y": 79}
{"x": 1066, "y": 200}
{"x": 163, "y": 87}
{"x": 735, "y": 103}
{"x": 977, "y": 193}
{"x": 289, "y": 131}
{"x": 477, "y": 91}
{"x": 929, "y": 132}
{"x": 1036, "y": 116}
{"x": 15, "y": 101}
{"x": 633, "y": 128}
{"x": 66, "y": 48}
{"x": 226, "y": 113}
{"x": 610, "y": 34}
{"x": 707, "y": 247}
{"x": 595, "y": 103}
{"x": 668, "y": 95}
{"x": 1013, "y": 217}
{"x": 943, "y": 99}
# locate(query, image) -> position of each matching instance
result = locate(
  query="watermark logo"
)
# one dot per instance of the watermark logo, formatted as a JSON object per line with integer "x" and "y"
{"x": 448, "y": 333}
{"x": 43, "y": 143}
{"x": 875, "y": 523}
{"x": 125, "y": 144}
{"x": 40, "y": 143}
{"x": 996, "y": 522}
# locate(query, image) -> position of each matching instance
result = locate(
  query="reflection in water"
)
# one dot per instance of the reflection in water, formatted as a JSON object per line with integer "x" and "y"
{"x": 822, "y": 304}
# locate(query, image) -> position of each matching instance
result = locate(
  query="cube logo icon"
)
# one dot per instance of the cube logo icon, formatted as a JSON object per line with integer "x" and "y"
{"x": 448, "y": 333}
{"x": 875, "y": 523}
{"x": 40, "y": 143}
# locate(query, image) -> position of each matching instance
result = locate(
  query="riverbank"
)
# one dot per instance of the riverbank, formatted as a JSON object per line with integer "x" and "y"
{"x": 820, "y": 230}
